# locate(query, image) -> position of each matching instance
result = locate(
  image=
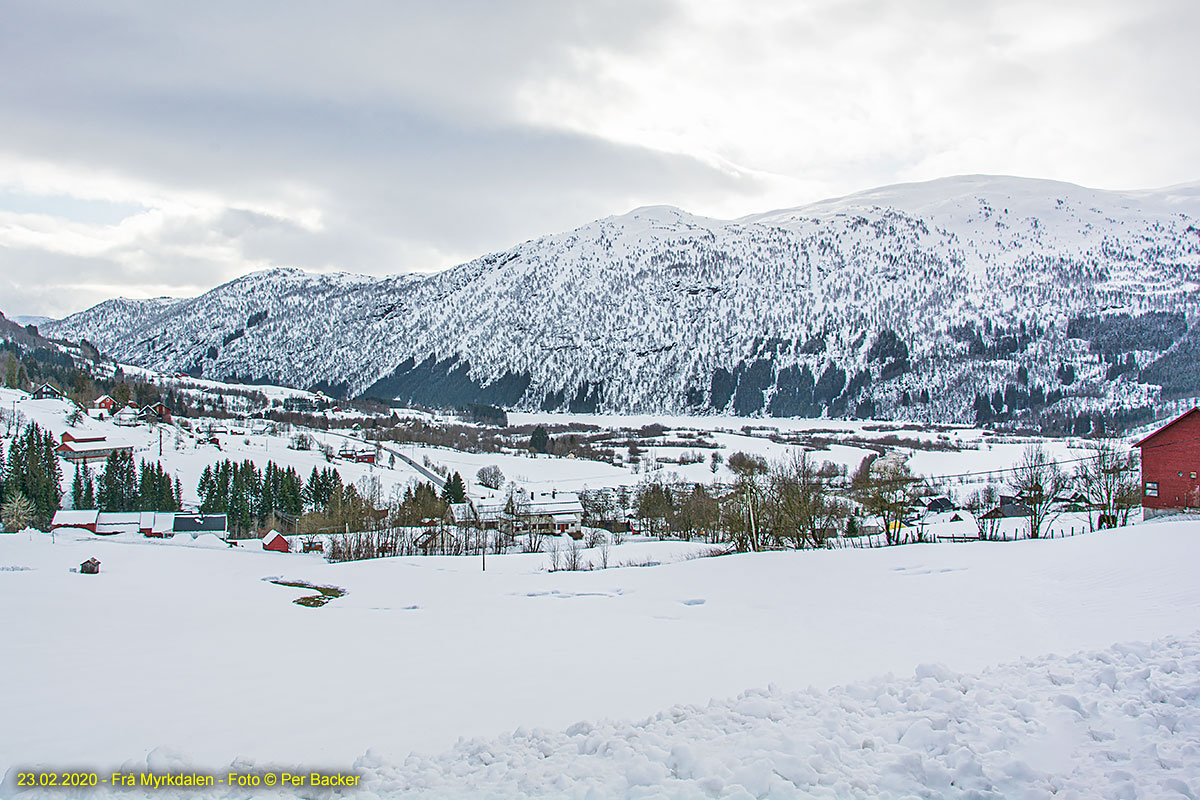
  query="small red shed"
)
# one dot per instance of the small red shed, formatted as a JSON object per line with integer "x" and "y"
{"x": 1170, "y": 466}
{"x": 275, "y": 541}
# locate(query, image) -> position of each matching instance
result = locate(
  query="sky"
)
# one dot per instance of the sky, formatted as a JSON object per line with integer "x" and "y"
{"x": 151, "y": 149}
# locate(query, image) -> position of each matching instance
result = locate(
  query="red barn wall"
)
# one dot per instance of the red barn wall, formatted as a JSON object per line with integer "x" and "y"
{"x": 1171, "y": 458}
{"x": 278, "y": 544}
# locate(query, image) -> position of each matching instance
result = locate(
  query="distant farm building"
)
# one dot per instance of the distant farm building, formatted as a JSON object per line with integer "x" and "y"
{"x": 159, "y": 524}
{"x": 90, "y": 567}
{"x": 196, "y": 524}
{"x": 550, "y": 512}
{"x": 75, "y": 519}
{"x": 48, "y": 391}
{"x": 102, "y": 407}
{"x": 1170, "y": 465}
{"x": 357, "y": 456}
{"x": 88, "y": 449}
{"x": 156, "y": 412}
{"x": 1008, "y": 508}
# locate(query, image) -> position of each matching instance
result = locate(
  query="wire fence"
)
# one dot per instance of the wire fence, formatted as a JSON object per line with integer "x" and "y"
{"x": 916, "y": 536}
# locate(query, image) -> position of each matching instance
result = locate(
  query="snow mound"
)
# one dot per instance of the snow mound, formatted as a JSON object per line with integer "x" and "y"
{"x": 1121, "y": 722}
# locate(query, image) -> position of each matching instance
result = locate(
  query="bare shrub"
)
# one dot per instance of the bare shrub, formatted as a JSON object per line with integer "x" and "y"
{"x": 573, "y": 557}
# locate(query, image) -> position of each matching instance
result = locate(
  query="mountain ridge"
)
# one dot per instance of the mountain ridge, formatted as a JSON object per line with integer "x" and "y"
{"x": 662, "y": 310}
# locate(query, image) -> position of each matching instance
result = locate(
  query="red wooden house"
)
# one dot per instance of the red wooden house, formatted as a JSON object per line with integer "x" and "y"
{"x": 104, "y": 403}
{"x": 357, "y": 456}
{"x": 1170, "y": 465}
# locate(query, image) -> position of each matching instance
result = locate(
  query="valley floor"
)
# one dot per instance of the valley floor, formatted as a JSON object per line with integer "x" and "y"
{"x": 187, "y": 656}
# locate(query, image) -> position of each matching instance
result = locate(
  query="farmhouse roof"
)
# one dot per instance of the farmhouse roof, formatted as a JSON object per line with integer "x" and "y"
{"x": 1007, "y": 511}
{"x": 1173, "y": 422}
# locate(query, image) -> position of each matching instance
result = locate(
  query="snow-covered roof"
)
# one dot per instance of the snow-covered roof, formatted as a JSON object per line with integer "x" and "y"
{"x": 951, "y": 525}
{"x": 120, "y": 517}
{"x": 69, "y": 517}
{"x": 461, "y": 512}
{"x": 271, "y": 536}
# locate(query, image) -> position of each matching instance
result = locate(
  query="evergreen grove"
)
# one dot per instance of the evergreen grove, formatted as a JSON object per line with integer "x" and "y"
{"x": 30, "y": 478}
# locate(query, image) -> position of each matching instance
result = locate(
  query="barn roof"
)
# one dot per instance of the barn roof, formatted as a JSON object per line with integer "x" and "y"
{"x": 1175, "y": 421}
{"x": 271, "y": 536}
{"x": 70, "y": 517}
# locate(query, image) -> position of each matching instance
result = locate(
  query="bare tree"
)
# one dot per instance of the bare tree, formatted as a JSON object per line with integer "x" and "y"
{"x": 490, "y": 476}
{"x": 979, "y": 503}
{"x": 1038, "y": 480}
{"x": 655, "y": 507}
{"x": 1109, "y": 480}
{"x": 573, "y": 561}
{"x": 885, "y": 491}
{"x": 748, "y": 488}
{"x": 802, "y": 510}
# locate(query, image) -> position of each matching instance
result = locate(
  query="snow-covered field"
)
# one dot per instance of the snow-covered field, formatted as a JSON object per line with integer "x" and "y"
{"x": 186, "y": 656}
{"x": 184, "y": 456}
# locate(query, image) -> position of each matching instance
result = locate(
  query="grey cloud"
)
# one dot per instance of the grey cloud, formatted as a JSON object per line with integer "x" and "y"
{"x": 399, "y": 123}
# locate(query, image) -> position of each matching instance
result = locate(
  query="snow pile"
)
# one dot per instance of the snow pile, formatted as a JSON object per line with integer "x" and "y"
{"x": 1122, "y": 722}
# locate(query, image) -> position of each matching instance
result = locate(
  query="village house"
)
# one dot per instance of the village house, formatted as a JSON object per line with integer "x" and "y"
{"x": 1170, "y": 465}
{"x": 551, "y": 512}
{"x": 102, "y": 407}
{"x": 48, "y": 391}
{"x": 1008, "y": 508}
{"x": 156, "y": 412}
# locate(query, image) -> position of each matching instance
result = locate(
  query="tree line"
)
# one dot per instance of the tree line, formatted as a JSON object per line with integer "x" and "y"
{"x": 124, "y": 486}
{"x": 797, "y": 503}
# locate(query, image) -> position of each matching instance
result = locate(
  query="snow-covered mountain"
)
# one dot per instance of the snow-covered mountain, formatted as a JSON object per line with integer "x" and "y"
{"x": 909, "y": 300}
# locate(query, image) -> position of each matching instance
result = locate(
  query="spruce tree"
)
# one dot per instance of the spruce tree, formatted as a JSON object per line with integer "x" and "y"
{"x": 77, "y": 488}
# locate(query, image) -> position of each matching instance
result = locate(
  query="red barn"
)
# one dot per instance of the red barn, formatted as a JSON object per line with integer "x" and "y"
{"x": 275, "y": 541}
{"x": 1170, "y": 464}
{"x": 67, "y": 436}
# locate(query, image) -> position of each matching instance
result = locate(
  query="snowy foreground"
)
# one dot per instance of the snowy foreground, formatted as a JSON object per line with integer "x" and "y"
{"x": 184, "y": 658}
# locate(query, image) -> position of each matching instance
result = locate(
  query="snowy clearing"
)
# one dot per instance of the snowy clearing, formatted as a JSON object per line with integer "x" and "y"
{"x": 193, "y": 649}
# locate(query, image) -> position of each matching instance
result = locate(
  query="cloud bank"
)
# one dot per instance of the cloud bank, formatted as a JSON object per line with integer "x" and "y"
{"x": 162, "y": 148}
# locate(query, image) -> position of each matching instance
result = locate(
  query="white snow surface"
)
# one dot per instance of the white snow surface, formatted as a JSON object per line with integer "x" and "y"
{"x": 523, "y": 682}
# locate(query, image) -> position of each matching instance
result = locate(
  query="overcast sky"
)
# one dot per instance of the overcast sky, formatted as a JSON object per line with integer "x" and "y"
{"x": 162, "y": 148}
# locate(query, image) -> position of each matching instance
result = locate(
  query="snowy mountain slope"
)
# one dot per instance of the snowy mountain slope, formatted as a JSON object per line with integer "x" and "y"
{"x": 869, "y": 303}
